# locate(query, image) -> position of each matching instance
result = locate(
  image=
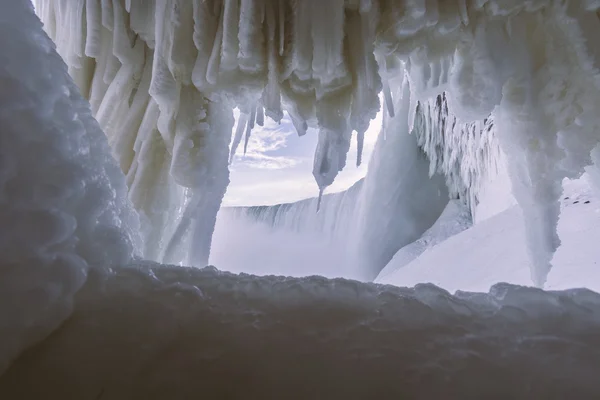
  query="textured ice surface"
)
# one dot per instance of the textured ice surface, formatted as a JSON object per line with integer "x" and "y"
{"x": 63, "y": 205}
{"x": 158, "y": 332}
{"x": 162, "y": 78}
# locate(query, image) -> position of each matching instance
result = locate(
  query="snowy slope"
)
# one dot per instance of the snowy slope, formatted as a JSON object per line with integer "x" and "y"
{"x": 494, "y": 251}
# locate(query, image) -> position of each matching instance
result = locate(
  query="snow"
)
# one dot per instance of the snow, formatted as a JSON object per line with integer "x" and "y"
{"x": 494, "y": 251}
{"x": 158, "y": 332}
{"x": 454, "y": 219}
{"x": 63, "y": 204}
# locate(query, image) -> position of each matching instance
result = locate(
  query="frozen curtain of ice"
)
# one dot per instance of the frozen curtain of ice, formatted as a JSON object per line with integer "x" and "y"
{"x": 163, "y": 76}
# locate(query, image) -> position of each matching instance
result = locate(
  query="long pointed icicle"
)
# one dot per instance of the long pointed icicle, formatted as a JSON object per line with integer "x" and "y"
{"x": 360, "y": 141}
{"x": 260, "y": 115}
{"x": 238, "y": 135}
{"x": 320, "y": 199}
{"x": 249, "y": 128}
{"x": 389, "y": 101}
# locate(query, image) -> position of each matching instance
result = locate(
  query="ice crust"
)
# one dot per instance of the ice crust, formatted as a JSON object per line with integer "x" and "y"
{"x": 158, "y": 332}
{"x": 63, "y": 199}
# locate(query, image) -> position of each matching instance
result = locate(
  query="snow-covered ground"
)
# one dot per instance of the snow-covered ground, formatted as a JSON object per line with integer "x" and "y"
{"x": 495, "y": 251}
{"x": 156, "y": 332}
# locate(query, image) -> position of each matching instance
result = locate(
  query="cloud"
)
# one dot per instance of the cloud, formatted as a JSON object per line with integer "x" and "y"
{"x": 277, "y": 167}
{"x": 267, "y": 147}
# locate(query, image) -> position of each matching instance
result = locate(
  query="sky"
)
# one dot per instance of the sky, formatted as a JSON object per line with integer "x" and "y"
{"x": 277, "y": 167}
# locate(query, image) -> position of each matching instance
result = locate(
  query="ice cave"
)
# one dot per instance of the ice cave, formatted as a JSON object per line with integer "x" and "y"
{"x": 461, "y": 264}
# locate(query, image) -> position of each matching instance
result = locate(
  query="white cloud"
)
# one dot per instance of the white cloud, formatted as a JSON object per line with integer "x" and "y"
{"x": 277, "y": 167}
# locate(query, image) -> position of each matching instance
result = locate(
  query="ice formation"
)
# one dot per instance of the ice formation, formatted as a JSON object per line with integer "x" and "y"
{"x": 63, "y": 199}
{"x": 163, "y": 76}
{"x": 399, "y": 199}
{"x": 155, "y": 331}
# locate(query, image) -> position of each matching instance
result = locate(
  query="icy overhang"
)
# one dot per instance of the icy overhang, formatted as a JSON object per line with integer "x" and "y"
{"x": 153, "y": 70}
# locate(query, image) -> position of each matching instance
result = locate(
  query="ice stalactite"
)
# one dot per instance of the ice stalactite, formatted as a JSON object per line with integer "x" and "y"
{"x": 466, "y": 154}
{"x": 63, "y": 200}
{"x": 542, "y": 128}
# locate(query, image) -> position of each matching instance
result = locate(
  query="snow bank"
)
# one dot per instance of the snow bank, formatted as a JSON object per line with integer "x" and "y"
{"x": 455, "y": 218}
{"x": 63, "y": 205}
{"x": 159, "y": 332}
{"x": 495, "y": 251}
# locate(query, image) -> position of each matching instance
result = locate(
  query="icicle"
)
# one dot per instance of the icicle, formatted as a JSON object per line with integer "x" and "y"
{"x": 271, "y": 97}
{"x": 212, "y": 71}
{"x": 206, "y": 26}
{"x": 319, "y": 199}
{"x": 260, "y": 115}
{"x": 230, "y": 46}
{"x": 251, "y": 55}
{"x": 249, "y": 128}
{"x": 387, "y": 93}
{"x": 389, "y": 102}
{"x": 183, "y": 53}
{"x": 107, "y": 14}
{"x": 360, "y": 140}
{"x": 238, "y": 135}
{"x": 281, "y": 20}
{"x": 328, "y": 38}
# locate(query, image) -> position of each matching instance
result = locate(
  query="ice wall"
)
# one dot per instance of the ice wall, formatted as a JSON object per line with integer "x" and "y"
{"x": 399, "y": 199}
{"x": 63, "y": 199}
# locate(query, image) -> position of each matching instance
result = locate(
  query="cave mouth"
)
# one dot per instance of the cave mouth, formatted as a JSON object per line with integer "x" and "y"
{"x": 86, "y": 317}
